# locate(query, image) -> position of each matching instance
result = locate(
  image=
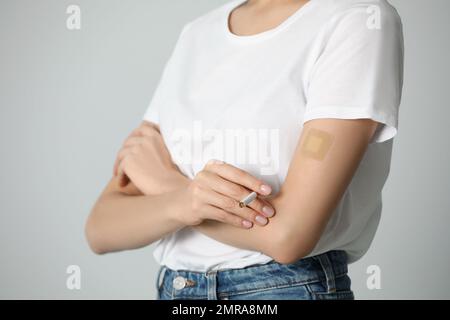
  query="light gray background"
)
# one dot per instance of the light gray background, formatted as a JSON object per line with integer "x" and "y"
{"x": 69, "y": 98}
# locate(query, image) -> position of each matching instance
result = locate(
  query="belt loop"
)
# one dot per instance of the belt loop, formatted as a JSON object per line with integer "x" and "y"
{"x": 211, "y": 287}
{"x": 327, "y": 267}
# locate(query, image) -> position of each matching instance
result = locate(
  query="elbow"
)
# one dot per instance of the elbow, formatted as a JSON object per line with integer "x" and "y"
{"x": 287, "y": 250}
{"x": 288, "y": 256}
{"x": 94, "y": 238}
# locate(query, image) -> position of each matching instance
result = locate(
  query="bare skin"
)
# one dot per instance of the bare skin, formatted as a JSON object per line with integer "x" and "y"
{"x": 125, "y": 218}
{"x": 257, "y": 16}
{"x": 155, "y": 199}
{"x": 308, "y": 196}
{"x": 134, "y": 209}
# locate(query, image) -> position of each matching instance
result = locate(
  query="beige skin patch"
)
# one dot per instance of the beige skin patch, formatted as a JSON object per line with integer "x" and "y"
{"x": 316, "y": 144}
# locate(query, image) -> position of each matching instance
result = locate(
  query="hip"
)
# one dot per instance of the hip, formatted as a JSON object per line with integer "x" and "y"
{"x": 324, "y": 276}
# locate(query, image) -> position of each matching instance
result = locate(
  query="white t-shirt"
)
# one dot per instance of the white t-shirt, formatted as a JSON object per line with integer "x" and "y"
{"x": 244, "y": 99}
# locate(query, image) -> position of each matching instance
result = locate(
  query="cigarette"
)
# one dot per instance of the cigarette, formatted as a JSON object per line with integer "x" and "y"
{"x": 246, "y": 201}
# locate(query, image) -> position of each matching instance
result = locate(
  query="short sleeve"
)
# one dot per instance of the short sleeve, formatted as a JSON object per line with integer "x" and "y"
{"x": 157, "y": 101}
{"x": 359, "y": 73}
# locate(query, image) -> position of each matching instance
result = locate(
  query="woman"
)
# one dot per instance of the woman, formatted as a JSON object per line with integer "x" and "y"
{"x": 294, "y": 100}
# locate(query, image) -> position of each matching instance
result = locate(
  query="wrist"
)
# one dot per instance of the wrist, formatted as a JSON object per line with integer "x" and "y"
{"x": 166, "y": 183}
{"x": 179, "y": 200}
{"x": 174, "y": 182}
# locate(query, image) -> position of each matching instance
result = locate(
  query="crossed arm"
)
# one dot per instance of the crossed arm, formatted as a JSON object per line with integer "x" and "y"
{"x": 327, "y": 155}
{"x": 326, "y": 158}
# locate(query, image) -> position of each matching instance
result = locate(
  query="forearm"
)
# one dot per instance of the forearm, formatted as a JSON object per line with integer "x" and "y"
{"x": 120, "y": 222}
{"x": 271, "y": 239}
{"x": 250, "y": 239}
{"x": 265, "y": 239}
{"x": 314, "y": 185}
{"x": 255, "y": 238}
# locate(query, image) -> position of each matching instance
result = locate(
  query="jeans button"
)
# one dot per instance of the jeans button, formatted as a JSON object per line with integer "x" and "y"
{"x": 179, "y": 283}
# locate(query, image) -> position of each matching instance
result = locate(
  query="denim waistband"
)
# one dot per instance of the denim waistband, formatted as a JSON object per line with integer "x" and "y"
{"x": 323, "y": 267}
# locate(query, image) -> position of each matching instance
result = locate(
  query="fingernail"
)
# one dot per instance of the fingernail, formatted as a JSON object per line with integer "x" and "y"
{"x": 265, "y": 189}
{"x": 247, "y": 224}
{"x": 268, "y": 211}
{"x": 261, "y": 220}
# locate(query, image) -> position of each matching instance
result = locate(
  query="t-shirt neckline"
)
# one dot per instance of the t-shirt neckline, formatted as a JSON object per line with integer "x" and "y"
{"x": 262, "y": 35}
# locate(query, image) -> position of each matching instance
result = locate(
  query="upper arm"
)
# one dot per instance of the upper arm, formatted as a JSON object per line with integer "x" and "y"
{"x": 327, "y": 155}
{"x": 353, "y": 98}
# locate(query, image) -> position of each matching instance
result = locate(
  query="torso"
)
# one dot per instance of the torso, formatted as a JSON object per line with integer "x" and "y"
{"x": 243, "y": 97}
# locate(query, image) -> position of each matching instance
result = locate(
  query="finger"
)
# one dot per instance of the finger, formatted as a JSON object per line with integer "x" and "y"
{"x": 214, "y": 181}
{"x": 133, "y": 133}
{"x": 133, "y": 141}
{"x": 116, "y": 164}
{"x": 238, "y": 176}
{"x": 149, "y": 124}
{"x": 234, "y": 191}
{"x": 123, "y": 153}
{"x": 263, "y": 207}
{"x": 119, "y": 157}
{"x": 149, "y": 131}
{"x": 232, "y": 206}
{"x": 122, "y": 176}
{"x": 221, "y": 215}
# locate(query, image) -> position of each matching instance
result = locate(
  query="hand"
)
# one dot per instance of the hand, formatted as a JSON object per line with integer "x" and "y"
{"x": 145, "y": 161}
{"x": 215, "y": 192}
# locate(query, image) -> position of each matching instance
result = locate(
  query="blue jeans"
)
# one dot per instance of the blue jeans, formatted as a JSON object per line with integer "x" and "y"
{"x": 319, "y": 277}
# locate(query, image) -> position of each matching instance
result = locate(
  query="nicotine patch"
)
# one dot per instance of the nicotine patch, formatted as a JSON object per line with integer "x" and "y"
{"x": 316, "y": 144}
